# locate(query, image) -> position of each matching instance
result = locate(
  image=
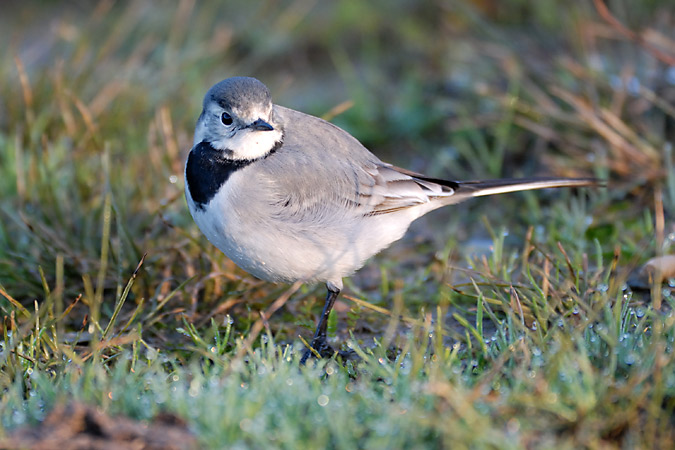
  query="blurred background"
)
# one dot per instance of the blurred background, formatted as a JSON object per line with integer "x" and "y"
{"x": 98, "y": 102}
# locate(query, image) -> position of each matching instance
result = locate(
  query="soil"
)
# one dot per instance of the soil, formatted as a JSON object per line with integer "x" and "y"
{"x": 75, "y": 426}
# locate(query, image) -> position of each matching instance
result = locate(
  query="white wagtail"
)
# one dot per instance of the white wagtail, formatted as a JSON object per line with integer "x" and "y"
{"x": 288, "y": 196}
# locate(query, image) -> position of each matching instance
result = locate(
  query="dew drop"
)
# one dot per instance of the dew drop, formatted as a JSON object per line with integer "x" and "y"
{"x": 630, "y": 359}
{"x": 246, "y": 425}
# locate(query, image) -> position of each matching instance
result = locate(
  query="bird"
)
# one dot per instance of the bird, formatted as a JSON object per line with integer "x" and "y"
{"x": 290, "y": 197}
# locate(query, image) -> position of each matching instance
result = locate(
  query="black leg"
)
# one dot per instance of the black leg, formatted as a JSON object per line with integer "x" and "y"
{"x": 319, "y": 341}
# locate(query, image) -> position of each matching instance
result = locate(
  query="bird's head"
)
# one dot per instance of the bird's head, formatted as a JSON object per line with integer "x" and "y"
{"x": 237, "y": 118}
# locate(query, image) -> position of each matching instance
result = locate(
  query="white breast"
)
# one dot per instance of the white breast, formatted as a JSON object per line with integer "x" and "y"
{"x": 238, "y": 222}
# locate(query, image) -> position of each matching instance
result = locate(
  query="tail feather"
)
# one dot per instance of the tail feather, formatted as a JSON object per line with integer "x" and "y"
{"x": 426, "y": 194}
{"x": 467, "y": 189}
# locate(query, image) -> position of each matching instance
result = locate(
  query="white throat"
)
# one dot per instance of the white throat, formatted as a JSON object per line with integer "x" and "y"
{"x": 248, "y": 144}
{"x": 242, "y": 143}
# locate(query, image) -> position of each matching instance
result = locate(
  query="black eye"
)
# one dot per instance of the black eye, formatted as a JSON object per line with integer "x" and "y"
{"x": 226, "y": 119}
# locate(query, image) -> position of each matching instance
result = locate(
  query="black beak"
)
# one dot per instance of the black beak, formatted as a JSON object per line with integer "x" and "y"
{"x": 261, "y": 125}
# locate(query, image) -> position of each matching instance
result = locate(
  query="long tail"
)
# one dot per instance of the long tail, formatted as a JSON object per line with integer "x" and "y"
{"x": 405, "y": 189}
{"x": 467, "y": 189}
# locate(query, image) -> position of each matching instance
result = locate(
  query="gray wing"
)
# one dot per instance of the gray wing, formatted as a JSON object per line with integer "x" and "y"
{"x": 322, "y": 173}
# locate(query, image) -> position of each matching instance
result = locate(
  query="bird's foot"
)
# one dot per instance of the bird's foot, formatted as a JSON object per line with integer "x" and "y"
{"x": 320, "y": 347}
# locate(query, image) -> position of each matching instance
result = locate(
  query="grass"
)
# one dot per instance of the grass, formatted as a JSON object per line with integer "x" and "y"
{"x": 507, "y": 322}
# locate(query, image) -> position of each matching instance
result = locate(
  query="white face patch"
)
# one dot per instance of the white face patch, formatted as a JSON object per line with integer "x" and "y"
{"x": 248, "y": 143}
{"x": 241, "y": 141}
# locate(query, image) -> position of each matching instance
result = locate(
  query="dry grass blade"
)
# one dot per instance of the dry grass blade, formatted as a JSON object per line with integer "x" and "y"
{"x": 617, "y": 25}
{"x": 122, "y": 299}
{"x": 15, "y": 303}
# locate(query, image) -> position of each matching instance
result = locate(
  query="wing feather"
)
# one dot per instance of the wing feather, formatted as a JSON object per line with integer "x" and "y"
{"x": 322, "y": 174}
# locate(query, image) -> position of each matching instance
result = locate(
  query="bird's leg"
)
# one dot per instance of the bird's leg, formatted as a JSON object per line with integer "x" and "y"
{"x": 319, "y": 343}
